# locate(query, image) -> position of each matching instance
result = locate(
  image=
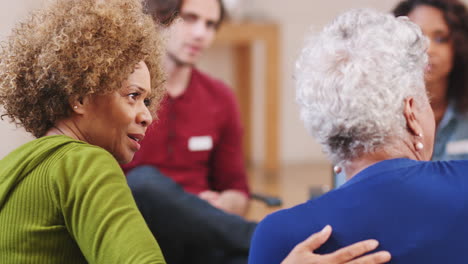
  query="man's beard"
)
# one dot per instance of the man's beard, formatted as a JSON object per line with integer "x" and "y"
{"x": 178, "y": 62}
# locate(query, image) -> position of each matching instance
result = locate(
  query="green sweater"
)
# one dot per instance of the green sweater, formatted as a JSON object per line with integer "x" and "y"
{"x": 65, "y": 201}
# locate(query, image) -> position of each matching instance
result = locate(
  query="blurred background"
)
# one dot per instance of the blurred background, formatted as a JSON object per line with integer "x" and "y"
{"x": 260, "y": 42}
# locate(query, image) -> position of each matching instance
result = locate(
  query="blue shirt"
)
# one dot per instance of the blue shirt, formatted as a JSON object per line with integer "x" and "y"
{"x": 417, "y": 210}
{"x": 451, "y": 141}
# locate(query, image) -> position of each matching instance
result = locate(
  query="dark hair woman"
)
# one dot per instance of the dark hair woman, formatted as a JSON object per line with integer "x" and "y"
{"x": 445, "y": 23}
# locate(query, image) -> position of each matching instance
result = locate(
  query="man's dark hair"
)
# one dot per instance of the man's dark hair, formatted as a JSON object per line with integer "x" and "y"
{"x": 222, "y": 13}
{"x": 165, "y": 11}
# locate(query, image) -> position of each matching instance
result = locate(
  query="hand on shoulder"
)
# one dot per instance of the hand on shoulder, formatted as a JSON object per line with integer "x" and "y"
{"x": 303, "y": 253}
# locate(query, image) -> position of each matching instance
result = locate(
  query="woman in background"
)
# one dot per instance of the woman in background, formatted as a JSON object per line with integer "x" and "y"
{"x": 79, "y": 76}
{"x": 445, "y": 23}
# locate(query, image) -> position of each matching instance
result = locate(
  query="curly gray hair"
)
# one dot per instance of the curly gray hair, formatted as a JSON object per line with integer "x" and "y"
{"x": 352, "y": 79}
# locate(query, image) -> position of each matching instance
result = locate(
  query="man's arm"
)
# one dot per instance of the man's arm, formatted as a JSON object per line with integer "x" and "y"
{"x": 228, "y": 174}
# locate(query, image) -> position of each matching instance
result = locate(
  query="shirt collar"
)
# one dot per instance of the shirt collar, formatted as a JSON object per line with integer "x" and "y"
{"x": 380, "y": 168}
{"x": 448, "y": 116}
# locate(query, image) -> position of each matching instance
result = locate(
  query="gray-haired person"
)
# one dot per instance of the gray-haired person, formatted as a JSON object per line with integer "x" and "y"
{"x": 360, "y": 86}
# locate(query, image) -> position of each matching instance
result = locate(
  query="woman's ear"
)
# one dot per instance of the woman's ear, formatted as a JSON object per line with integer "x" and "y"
{"x": 78, "y": 104}
{"x": 412, "y": 121}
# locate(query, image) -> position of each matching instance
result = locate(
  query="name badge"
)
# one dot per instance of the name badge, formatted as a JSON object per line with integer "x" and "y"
{"x": 200, "y": 143}
{"x": 457, "y": 147}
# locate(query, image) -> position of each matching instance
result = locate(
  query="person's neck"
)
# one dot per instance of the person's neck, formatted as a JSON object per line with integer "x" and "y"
{"x": 404, "y": 149}
{"x": 439, "y": 100}
{"x": 178, "y": 77}
{"x": 67, "y": 128}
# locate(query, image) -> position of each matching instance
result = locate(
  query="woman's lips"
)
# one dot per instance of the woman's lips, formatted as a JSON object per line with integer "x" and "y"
{"x": 193, "y": 49}
{"x": 136, "y": 145}
{"x": 135, "y": 139}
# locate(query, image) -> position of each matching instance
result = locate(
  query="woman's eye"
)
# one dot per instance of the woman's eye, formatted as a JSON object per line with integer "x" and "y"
{"x": 441, "y": 39}
{"x": 134, "y": 96}
{"x": 189, "y": 18}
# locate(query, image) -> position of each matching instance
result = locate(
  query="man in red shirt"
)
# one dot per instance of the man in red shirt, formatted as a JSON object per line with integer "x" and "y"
{"x": 188, "y": 178}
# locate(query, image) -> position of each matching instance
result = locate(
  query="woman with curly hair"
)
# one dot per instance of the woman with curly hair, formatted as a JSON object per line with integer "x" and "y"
{"x": 445, "y": 23}
{"x": 79, "y": 76}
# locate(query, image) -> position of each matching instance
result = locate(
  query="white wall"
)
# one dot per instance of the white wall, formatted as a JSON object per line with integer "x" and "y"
{"x": 10, "y": 13}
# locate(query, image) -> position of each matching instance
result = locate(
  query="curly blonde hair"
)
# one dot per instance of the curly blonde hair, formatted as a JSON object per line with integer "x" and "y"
{"x": 72, "y": 49}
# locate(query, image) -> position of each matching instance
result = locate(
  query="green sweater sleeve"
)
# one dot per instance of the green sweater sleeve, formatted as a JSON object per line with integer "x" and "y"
{"x": 90, "y": 189}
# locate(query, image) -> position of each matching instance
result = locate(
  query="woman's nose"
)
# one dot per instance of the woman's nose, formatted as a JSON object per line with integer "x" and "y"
{"x": 144, "y": 117}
